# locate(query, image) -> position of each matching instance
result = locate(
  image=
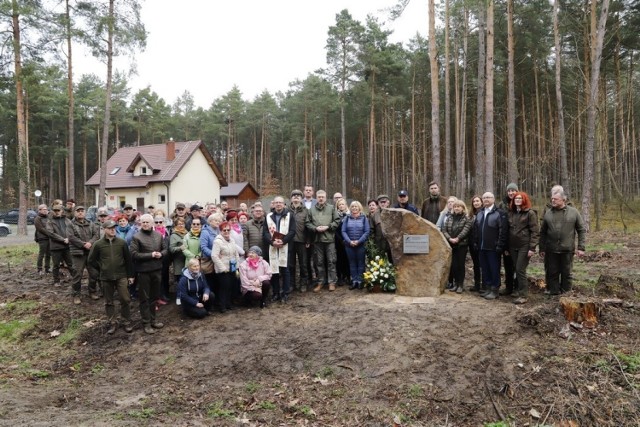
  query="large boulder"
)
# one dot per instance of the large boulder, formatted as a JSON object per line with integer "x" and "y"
{"x": 418, "y": 275}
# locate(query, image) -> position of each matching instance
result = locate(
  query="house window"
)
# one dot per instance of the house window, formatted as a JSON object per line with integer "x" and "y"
{"x": 143, "y": 170}
{"x": 161, "y": 199}
{"x": 114, "y": 171}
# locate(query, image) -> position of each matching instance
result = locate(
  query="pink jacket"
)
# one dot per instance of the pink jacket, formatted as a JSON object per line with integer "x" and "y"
{"x": 248, "y": 276}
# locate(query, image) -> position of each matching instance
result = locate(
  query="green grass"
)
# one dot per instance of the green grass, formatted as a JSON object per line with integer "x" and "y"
{"x": 325, "y": 372}
{"x": 252, "y": 387}
{"x": 142, "y": 414}
{"x": 415, "y": 391}
{"x": 12, "y": 330}
{"x": 20, "y": 307}
{"x": 14, "y": 255}
{"x": 71, "y": 333}
{"x": 267, "y": 405}
{"x": 216, "y": 410}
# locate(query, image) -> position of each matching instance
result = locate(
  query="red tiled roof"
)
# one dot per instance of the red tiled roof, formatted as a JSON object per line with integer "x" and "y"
{"x": 155, "y": 156}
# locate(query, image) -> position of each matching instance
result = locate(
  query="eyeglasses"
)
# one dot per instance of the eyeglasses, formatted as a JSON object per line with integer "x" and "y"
{"x": 195, "y": 225}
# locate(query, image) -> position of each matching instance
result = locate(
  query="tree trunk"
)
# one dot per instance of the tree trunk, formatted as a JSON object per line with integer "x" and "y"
{"x": 447, "y": 104}
{"x": 70, "y": 123}
{"x": 23, "y": 160}
{"x": 588, "y": 172}
{"x": 489, "y": 133}
{"x": 512, "y": 157}
{"x": 435, "y": 96}
{"x": 480, "y": 113}
{"x": 107, "y": 108}
{"x": 562, "y": 141}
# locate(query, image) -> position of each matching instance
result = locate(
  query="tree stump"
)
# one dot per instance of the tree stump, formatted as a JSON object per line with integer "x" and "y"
{"x": 580, "y": 311}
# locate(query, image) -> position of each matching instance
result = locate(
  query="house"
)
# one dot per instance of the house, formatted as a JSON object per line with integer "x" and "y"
{"x": 161, "y": 175}
{"x": 239, "y": 192}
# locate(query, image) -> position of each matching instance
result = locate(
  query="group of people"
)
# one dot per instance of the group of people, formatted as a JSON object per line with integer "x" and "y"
{"x": 508, "y": 233}
{"x": 222, "y": 257}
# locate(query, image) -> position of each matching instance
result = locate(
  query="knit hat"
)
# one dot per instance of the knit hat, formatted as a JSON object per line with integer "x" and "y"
{"x": 512, "y": 186}
{"x": 256, "y": 250}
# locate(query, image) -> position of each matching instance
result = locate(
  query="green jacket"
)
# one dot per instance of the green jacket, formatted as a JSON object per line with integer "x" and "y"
{"x": 559, "y": 229}
{"x": 323, "y": 215}
{"x": 110, "y": 259}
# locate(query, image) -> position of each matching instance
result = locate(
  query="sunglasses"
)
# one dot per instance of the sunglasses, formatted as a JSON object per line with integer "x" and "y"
{"x": 159, "y": 222}
{"x": 226, "y": 230}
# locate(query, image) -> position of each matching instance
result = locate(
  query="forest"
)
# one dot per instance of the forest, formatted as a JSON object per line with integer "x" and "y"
{"x": 535, "y": 92}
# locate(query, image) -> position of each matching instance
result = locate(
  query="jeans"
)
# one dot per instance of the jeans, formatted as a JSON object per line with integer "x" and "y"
{"x": 509, "y": 274}
{"x": 325, "y": 253}
{"x": 457, "y": 271}
{"x": 356, "y": 256}
{"x": 490, "y": 265}
{"x": 477, "y": 276}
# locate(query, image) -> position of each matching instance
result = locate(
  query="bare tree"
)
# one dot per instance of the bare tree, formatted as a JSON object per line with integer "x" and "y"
{"x": 488, "y": 118}
{"x": 435, "y": 97}
{"x": 512, "y": 162}
{"x": 562, "y": 142}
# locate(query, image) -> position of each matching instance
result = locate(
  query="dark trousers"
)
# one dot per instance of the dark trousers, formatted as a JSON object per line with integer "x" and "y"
{"x": 121, "y": 286}
{"x": 490, "y": 265}
{"x": 477, "y": 276}
{"x": 44, "y": 255}
{"x": 509, "y": 273}
{"x": 57, "y": 257}
{"x": 520, "y": 263}
{"x": 356, "y": 256}
{"x": 312, "y": 269}
{"x": 559, "y": 267}
{"x": 298, "y": 257}
{"x": 148, "y": 292}
{"x": 253, "y": 296}
{"x": 457, "y": 270}
{"x": 198, "y": 312}
{"x": 342, "y": 261}
{"x": 79, "y": 264}
{"x": 281, "y": 282}
{"x": 226, "y": 282}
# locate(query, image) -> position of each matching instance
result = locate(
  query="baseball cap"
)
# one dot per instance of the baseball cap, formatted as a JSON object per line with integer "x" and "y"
{"x": 56, "y": 207}
{"x": 195, "y": 208}
{"x": 403, "y": 193}
{"x": 180, "y": 206}
{"x": 127, "y": 206}
{"x": 103, "y": 212}
{"x": 79, "y": 208}
{"x": 383, "y": 196}
{"x": 296, "y": 193}
{"x": 109, "y": 224}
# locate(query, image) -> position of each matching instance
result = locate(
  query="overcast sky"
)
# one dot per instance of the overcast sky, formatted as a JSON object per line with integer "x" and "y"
{"x": 207, "y": 46}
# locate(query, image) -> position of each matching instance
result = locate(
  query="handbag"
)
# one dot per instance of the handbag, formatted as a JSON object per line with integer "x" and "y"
{"x": 206, "y": 265}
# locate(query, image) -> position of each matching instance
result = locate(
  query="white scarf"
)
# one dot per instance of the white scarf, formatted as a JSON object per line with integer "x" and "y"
{"x": 278, "y": 257}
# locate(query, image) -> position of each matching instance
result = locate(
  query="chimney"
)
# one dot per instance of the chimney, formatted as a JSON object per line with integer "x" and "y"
{"x": 171, "y": 150}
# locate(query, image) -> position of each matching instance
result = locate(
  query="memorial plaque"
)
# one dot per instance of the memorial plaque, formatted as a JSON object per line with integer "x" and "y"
{"x": 415, "y": 244}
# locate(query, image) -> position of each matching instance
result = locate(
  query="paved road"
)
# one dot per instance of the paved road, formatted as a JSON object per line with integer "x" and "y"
{"x": 14, "y": 239}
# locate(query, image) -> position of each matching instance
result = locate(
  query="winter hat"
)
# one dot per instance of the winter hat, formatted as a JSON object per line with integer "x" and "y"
{"x": 512, "y": 186}
{"x": 256, "y": 250}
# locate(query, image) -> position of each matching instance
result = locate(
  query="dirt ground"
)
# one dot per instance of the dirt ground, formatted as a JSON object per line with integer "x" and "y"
{"x": 347, "y": 358}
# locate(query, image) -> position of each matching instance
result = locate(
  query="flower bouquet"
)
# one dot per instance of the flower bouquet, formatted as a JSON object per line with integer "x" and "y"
{"x": 380, "y": 273}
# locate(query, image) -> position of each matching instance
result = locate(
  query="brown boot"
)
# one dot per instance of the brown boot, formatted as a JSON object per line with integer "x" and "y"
{"x": 318, "y": 288}
{"x": 332, "y": 287}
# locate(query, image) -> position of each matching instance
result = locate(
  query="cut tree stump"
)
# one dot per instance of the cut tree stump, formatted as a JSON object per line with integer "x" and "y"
{"x": 581, "y": 311}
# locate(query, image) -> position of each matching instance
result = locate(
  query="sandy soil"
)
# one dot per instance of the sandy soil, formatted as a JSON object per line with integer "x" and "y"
{"x": 347, "y": 358}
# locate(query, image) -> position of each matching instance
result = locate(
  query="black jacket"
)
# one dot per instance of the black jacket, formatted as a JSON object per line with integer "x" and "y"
{"x": 491, "y": 230}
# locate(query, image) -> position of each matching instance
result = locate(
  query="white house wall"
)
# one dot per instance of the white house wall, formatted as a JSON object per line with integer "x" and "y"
{"x": 196, "y": 182}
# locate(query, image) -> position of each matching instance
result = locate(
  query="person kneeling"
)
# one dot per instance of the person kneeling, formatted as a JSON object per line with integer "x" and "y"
{"x": 193, "y": 291}
{"x": 255, "y": 277}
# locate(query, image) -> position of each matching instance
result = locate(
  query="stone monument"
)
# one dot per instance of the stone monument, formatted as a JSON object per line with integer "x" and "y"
{"x": 418, "y": 274}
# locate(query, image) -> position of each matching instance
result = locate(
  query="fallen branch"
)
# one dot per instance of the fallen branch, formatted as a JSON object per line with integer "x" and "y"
{"x": 493, "y": 402}
{"x": 633, "y": 389}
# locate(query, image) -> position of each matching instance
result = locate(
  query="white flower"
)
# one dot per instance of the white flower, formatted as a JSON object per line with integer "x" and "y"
{"x": 386, "y": 276}
{"x": 377, "y": 257}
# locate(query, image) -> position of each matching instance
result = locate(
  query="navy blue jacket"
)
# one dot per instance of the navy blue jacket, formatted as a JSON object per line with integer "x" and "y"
{"x": 355, "y": 229}
{"x": 191, "y": 289}
{"x": 491, "y": 230}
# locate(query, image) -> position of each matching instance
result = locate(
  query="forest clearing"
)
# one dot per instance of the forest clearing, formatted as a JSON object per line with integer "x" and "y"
{"x": 341, "y": 359}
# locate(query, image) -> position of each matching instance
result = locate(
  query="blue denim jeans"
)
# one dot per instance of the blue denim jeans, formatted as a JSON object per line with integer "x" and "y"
{"x": 490, "y": 265}
{"x": 356, "y": 262}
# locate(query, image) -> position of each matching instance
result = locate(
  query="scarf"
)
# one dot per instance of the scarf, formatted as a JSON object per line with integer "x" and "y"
{"x": 195, "y": 233}
{"x": 161, "y": 229}
{"x": 254, "y": 262}
{"x": 179, "y": 230}
{"x": 123, "y": 230}
{"x": 237, "y": 227}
